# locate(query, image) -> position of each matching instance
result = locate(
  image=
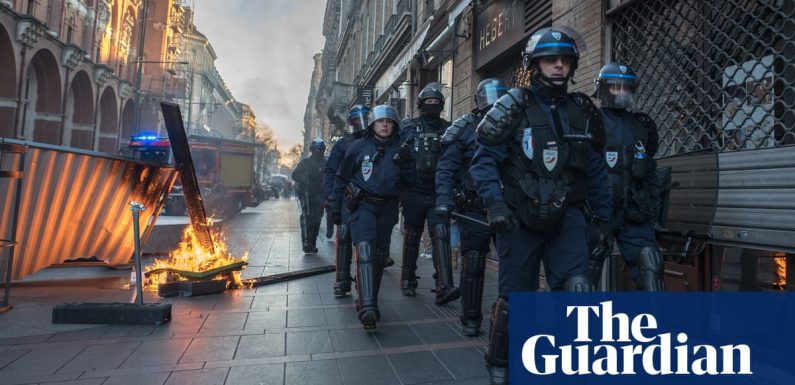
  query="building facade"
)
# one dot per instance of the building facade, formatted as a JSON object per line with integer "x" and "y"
{"x": 313, "y": 126}
{"x": 69, "y": 70}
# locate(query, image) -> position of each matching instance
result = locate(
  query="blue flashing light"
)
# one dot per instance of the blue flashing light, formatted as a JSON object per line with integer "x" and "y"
{"x": 145, "y": 137}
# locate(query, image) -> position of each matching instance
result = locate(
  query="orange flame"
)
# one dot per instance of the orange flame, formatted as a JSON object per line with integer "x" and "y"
{"x": 191, "y": 256}
{"x": 780, "y": 261}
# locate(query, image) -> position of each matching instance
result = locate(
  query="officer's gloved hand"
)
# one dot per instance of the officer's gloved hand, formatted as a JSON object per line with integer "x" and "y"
{"x": 605, "y": 235}
{"x": 443, "y": 211}
{"x": 499, "y": 215}
{"x": 336, "y": 217}
{"x": 404, "y": 153}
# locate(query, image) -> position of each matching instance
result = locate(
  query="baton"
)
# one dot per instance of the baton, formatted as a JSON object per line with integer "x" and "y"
{"x": 462, "y": 216}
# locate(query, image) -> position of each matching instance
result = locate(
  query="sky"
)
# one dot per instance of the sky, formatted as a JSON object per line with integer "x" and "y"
{"x": 265, "y": 50}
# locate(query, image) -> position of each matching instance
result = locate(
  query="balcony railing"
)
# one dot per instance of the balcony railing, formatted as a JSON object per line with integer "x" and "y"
{"x": 379, "y": 44}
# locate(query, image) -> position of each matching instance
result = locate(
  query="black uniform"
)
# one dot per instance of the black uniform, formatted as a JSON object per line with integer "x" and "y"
{"x": 308, "y": 176}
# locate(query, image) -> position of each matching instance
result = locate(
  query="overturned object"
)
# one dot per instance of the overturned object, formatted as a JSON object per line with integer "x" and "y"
{"x": 111, "y": 313}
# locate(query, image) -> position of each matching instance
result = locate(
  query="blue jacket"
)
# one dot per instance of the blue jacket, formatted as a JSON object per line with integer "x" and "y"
{"x": 333, "y": 163}
{"x": 368, "y": 164}
{"x": 622, "y": 132}
{"x": 452, "y": 171}
{"x": 486, "y": 164}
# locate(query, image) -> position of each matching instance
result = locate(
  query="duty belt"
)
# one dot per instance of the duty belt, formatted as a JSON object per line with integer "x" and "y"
{"x": 378, "y": 201}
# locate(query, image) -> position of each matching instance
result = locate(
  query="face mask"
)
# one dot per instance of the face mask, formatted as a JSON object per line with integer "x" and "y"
{"x": 432, "y": 109}
{"x": 624, "y": 100}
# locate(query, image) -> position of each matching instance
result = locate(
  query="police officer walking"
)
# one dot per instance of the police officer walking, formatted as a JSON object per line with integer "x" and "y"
{"x": 421, "y": 138}
{"x": 357, "y": 120}
{"x": 631, "y": 144}
{"x": 455, "y": 189}
{"x": 308, "y": 177}
{"x": 371, "y": 182}
{"x": 539, "y": 159}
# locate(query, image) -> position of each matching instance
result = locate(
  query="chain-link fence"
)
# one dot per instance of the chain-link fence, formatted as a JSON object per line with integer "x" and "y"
{"x": 714, "y": 75}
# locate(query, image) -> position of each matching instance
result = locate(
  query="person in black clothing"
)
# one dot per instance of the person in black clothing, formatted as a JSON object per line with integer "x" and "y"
{"x": 308, "y": 176}
{"x": 455, "y": 188}
{"x": 370, "y": 181}
{"x": 419, "y": 153}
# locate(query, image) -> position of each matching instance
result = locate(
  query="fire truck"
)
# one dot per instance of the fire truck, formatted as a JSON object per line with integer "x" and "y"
{"x": 225, "y": 170}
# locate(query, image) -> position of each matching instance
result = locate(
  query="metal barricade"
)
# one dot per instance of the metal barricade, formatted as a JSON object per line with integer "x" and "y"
{"x": 13, "y": 154}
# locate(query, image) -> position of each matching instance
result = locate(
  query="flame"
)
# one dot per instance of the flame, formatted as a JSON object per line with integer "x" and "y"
{"x": 191, "y": 256}
{"x": 780, "y": 261}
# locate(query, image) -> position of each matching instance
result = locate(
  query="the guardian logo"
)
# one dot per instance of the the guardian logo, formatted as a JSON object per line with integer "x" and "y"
{"x": 629, "y": 346}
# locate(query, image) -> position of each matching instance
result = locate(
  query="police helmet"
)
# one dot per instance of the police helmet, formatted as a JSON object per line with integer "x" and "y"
{"x": 432, "y": 91}
{"x": 615, "y": 86}
{"x": 383, "y": 111}
{"x": 317, "y": 145}
{"x": 488, "y": 92}
{"x": 357, "y": 118}
{"x": 552, "y": 41}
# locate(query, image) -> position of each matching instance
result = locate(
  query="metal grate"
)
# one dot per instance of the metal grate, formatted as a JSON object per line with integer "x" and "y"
{"x": 714, "y": 75}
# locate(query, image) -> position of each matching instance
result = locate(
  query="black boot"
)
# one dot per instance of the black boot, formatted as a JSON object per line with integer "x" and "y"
{"x": 314, "y": 231}
{"x": 343, "y": 280}
{"x": 305, "y": 234}
{"x": 445, "y": 288}
{"x": 497, "y": 355}
{"x": 411, "y": 250}
{"x": 474, "y": 266}
{"x": 366, "y": 279}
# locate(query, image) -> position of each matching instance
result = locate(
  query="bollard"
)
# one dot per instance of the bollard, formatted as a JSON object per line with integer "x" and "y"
{"x": 136, "y": 209}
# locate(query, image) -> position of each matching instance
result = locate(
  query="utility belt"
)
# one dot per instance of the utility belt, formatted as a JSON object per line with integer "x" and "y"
{"x": 356, "y": 195}
{"x": 541, "y": 204}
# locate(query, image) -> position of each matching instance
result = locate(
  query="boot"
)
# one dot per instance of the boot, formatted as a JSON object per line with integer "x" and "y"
{"x": 497, "y": 354}
{"x": 411, "y": 250}
{"x": 342, "y": 286}
{"x": 472, "y": 273}
{"x": 445, "y": 288}
{"x": 304, "y": 234}
{"x": 366, "y": 279}
{"x": 314, "y": 231}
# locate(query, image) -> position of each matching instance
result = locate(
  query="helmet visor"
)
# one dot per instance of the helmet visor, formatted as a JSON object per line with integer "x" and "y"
{"x": 617, "y": 94}
{"x": 357, "y": 119}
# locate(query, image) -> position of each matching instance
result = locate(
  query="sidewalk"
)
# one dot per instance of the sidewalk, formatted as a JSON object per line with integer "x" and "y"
{"x": 287, "y": 333}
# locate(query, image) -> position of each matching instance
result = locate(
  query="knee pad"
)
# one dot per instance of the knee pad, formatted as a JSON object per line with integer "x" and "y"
{"x": 578, "y": 284}
{"x": 441, "y": 231}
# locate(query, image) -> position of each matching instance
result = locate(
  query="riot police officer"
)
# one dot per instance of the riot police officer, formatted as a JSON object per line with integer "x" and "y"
{"x": 357, "y": 120}
{"x": 371, "y": 181}
{"x": 456, "y": 189}
{"x": 629, "y": 153}
{"x": 421, "y": 138}
{"x": 308, "y": 176}
{"x": 539, "y": 159}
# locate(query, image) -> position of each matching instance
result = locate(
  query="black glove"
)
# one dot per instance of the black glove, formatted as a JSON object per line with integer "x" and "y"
{"x": 605, "y": 235}
{"x": 499, "y": 215}
{"x": 443, "y": 211}
{"x": 404, "y": 153}
{"x": 336, "y": 217}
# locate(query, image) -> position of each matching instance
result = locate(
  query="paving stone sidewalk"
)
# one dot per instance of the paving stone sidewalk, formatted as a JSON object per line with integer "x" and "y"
{"x": 287, "y": 333}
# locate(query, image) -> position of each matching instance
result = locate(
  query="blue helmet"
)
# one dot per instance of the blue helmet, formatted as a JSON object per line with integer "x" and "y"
{"x": 489, "y": 90}
{"x": 317, "y": 145}
{"x": 383, "y": 111}
{"x": 615, "y": 86}
{"x": 357, "y": 118}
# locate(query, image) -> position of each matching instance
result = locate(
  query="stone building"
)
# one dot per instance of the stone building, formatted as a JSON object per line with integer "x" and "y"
{"x": 313, "y": 126}
{"x": 69, "y": 72}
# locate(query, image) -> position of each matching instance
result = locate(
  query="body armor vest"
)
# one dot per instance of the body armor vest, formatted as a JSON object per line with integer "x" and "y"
{"x": 427, "y": 144}
{"x": 545, "y": 175}
{"x": 628, "y": 167}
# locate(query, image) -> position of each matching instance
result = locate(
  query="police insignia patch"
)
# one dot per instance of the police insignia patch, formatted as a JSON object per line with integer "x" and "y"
{"x": 527, "y": 143}
{"x": 550, "y": 158}
{"x": 612, "y": 158}
{"x": 623, "y": 69}
{"x": 367, "y": 168}
{"x": 556, "y": 35}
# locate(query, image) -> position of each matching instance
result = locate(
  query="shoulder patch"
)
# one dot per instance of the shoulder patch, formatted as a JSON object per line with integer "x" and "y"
{"x": 651, "y": 128}
{"x": 459, "y": 126}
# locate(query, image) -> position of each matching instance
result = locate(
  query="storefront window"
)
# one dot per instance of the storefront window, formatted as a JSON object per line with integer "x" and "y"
{"x": 446, "y": 78}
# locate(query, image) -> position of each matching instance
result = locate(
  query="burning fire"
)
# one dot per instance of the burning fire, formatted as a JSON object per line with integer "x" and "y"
{"x": 192, "y": 257}
{"x": 780, "y": 261}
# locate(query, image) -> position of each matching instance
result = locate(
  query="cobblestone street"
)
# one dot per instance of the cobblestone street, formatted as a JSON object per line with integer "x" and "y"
{"x": 286, "y": 333}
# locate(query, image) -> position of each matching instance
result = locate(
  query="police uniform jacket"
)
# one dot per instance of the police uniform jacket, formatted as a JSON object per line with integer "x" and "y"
{"x": 368, "y": 165}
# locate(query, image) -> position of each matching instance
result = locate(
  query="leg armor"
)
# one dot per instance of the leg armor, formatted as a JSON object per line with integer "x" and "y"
{"x": 651, "y": 269}
{"x": 578, "y": 284}
{"x": 472, "y": 292}
{"x": 445, "y": 288}
{"x": 366, "y": 276}
{"x": 343, "y": 284}
{"x": 314, "y": 229}
{"x": 411, "y": 250}
{"x": 305, "y": 234}
{"x": 497, "y": 355}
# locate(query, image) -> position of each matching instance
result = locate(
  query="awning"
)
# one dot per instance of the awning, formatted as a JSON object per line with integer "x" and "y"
{"x": 438, "y": 43}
